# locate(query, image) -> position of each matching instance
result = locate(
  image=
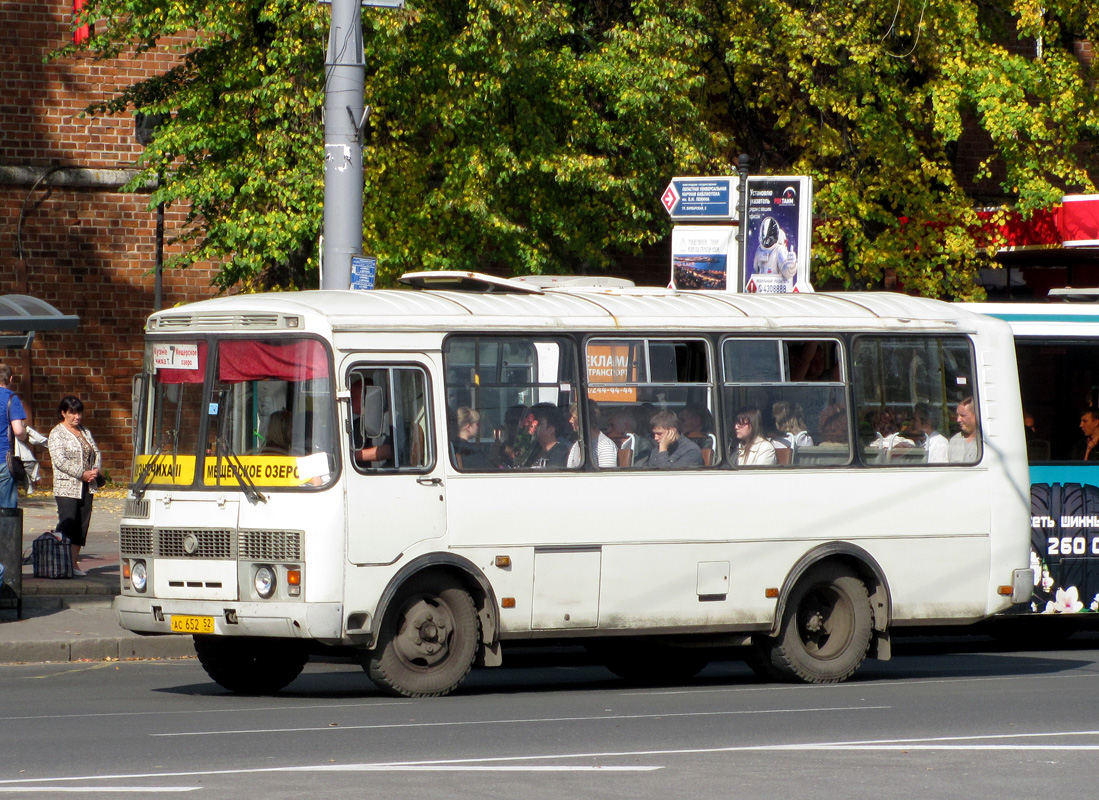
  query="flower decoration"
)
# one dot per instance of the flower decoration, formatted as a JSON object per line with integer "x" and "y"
{"x": 1066, "y": 601}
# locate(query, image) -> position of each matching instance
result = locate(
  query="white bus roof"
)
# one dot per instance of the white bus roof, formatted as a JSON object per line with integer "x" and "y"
{"x": 594, "y": 309}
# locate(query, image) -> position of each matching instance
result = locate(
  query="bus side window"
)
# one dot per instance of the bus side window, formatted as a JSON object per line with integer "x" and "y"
{"x": 796, "y": 390}
{"x": 498, "y": 389}
{"x": 915, "y": 401}
{"x": 390, "y": 424}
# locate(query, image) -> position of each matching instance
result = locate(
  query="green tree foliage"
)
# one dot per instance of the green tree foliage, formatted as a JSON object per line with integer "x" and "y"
{"x": 516, "y": 137}
{"x": 872, "y": 98}
{"x": 527, "y": 136}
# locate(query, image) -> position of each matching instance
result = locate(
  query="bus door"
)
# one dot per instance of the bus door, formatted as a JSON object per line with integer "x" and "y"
{"x": 395, "y": 492}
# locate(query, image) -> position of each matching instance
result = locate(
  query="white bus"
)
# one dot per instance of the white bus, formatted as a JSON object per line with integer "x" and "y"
{"x": 426, "y": 476}
{"x": 1057, "y": 348}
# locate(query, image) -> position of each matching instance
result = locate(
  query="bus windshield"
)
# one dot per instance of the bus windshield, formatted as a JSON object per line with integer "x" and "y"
{"x": 216, "y": 408}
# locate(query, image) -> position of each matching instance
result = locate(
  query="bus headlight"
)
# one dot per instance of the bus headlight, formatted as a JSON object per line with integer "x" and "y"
{"x": 139, "y": 577}
{"x": 265, "y": 582}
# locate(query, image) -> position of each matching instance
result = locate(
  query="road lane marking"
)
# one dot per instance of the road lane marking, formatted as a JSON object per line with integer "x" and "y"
{"x": 23, "y": 784}
{"x": 233, "y": 710}
{"x": 99, "y": 789}
{"x": 530, "y": 721}
{"x": 71, "y": 670}
{"x": 508, "y": 763}
{"x": 861, "y": 685}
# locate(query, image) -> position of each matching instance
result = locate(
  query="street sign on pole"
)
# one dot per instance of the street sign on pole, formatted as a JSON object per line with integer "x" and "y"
{"x": 364, "y": 269}
{"x": 699, "y": 199}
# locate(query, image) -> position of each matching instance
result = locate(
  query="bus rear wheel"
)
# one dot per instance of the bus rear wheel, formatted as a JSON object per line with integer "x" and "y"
{"x": 826, "y": 627}
{"x": 247, "y": 665}
{"x": 428, "y": 640}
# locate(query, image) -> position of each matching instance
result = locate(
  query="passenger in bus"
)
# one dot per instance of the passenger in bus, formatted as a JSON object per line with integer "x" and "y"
{"x": 790, "y": 423}
{"x": 277, "y": 438}
{"x": 964, "y": 446}
{"x": 887, "y": 431}
{"x": 606, "y": 452}
{"x": 696, "y": 422}
{"x": 672, "y": 450}
{"x": 926, "y": 419}
{"x": 751, "y": 448}
{"x": 551, "y": 450}
{"x": 1089, "y": 426}
{"x": 468, "y": 453}
{"x": 503, "y": 454}
{"x": 833, "y": 424}
{"x": 622, "y": 430}
{"x": 807, "y": 361}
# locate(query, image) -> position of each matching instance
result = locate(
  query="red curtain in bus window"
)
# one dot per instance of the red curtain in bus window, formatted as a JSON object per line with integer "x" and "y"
{"x": 195, "y": 372}
{"x": 249, "y": 360}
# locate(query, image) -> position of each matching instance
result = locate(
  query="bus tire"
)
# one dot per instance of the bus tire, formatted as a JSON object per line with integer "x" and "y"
{"x": 827, "y": 626}
{"x": 246, "y": 665}
{"x": 428, "y": 641}
{"x": 758, "y": 658}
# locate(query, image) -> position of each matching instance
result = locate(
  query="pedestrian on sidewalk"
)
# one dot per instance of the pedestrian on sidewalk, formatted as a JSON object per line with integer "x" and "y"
{"x": 25, "y": 452}
{"x": 11, "y": 407}
{"x": 76, "y": 474}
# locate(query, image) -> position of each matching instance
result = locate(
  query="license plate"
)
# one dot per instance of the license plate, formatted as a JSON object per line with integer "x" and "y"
{"x": 182, "y": 623}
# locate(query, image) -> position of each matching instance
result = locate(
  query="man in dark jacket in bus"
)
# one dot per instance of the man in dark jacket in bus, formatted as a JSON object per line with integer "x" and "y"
{"x": 1089, "y": 426}
{"x": 672, "y": 451}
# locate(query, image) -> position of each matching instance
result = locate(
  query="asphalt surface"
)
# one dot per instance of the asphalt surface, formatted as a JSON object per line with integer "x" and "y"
{"x": 73, "y": 619}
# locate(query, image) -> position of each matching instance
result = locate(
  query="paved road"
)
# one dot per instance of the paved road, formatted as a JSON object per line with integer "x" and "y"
{"x": 928, "y": 724}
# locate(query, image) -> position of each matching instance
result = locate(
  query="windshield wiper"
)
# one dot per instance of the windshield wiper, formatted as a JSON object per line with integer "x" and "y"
{"x": 149, "y": 470}
{"x": 146, "y": 476}
{"x": 221, "y": 446}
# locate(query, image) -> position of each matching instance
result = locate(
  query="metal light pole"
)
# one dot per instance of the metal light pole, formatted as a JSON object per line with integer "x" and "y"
{"x": 344, "y": 117}
{"x": 742, "y": 225}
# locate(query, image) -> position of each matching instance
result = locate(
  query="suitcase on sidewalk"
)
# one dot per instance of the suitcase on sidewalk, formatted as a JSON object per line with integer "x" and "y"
{"x": 51, "y": 556}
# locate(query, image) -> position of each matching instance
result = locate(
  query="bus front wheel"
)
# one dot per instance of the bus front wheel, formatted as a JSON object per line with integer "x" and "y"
{"x": 428, "y": 640}
{"x": 247, "y": 665}
{"x": 826, "y": 627}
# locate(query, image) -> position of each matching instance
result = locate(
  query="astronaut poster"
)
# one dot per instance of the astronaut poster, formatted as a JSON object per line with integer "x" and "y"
{"x": 703, "y": 256}
{"x": 780, "y": 215}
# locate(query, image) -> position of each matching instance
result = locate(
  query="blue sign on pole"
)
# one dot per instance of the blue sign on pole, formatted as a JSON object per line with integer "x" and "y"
{"x": 702, "y": 198}
{"x": 363, "y": 270}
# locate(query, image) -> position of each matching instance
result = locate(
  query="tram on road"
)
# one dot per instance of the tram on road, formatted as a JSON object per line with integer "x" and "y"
{"x": 1057, "y": 347}
{"x": 424, "y": 476}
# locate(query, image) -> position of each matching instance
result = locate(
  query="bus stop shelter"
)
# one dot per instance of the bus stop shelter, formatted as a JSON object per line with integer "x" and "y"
{"x": 21, "y": 317}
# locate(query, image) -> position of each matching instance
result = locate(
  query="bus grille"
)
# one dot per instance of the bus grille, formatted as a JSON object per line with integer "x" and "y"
{"x": 136, "y": 509}
{"x": 174, "y": 543}
{"x": 134, "y": 541}
{"x": 270, "y": 545}
{"x": 183, "y": 322}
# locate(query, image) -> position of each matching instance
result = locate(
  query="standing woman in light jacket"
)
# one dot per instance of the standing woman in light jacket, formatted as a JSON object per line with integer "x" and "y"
{"x": 76, "y": 464}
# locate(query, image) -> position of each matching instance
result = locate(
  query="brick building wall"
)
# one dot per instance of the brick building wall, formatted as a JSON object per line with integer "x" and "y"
{"x": 76, "y": 241}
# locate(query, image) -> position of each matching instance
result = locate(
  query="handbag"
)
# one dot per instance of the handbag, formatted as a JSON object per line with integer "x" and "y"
{"x": 15, "y": 464}
{"x": 51, "y": 556}
{"x": 100, "y": 481}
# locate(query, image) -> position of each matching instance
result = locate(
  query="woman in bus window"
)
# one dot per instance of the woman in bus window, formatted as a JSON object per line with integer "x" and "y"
{"x": 751, "y": 448}
{"x": 790, "y": 422}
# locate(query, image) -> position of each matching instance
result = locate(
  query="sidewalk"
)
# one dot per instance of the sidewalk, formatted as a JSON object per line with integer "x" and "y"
{"x": 74, "y": 619}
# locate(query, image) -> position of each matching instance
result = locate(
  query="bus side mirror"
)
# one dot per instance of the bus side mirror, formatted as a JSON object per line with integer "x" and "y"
{"x": 137, "y": 411}
{"x": 372, "y": 418}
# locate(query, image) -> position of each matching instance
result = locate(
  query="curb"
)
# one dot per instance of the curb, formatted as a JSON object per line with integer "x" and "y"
{"x": 102, "y": 649}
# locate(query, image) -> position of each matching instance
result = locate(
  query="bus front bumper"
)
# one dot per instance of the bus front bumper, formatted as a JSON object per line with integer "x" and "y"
{"x": 320, "y": 621}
